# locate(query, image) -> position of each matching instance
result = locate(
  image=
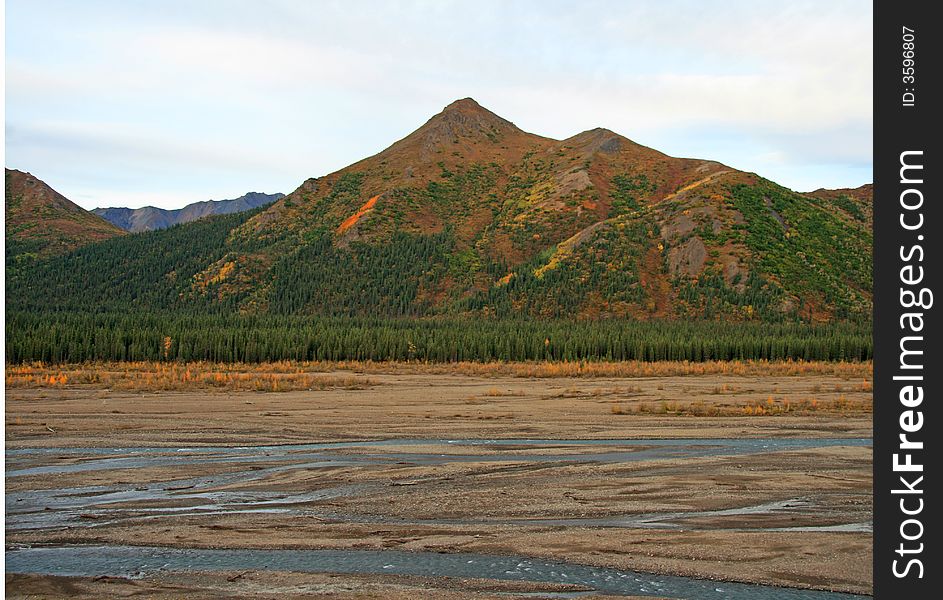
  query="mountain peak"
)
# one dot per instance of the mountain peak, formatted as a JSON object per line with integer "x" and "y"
{"x": 41, "y": 221}
{"x": 600, "y": 140}
{"x": 464, "y": 104}
{"x": 466, "y": 117}
{"x": 463, "y": 128}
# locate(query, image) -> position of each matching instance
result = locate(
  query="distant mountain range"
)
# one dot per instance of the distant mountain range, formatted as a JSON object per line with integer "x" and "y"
{"x": 149, "y": 218}
{"x": 470, "y": 215}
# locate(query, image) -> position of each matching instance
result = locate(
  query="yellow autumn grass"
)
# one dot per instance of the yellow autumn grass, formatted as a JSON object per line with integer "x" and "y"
{"x": 770, "y": 407}
{"x": 292, "y": 375}
{"x": 848, "y": 371}
{"x": 146, "y": 376}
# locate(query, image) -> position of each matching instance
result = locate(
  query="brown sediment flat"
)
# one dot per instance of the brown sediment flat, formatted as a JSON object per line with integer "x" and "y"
{"x": 433, "y": 406}
{"x": 506, "y": 502}
{"x": 268, "y": 584}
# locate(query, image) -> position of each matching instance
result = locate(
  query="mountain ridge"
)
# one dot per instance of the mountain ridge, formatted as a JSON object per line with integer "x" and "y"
{"x": 40, "y": 221}
{"x": 148, "y": 218}
{"x": 470, "y": 215}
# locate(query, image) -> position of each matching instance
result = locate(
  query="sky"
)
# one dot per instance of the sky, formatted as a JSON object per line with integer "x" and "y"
{"x": 166, "y": 102}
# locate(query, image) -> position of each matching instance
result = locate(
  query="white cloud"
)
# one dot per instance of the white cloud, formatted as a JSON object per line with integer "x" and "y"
{"x": 286, "y": 90}
{"x": 131, "y": 143}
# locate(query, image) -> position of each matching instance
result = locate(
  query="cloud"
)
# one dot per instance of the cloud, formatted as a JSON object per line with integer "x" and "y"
{"x": 286, "y": 89}
{"x": 132, "y": 143}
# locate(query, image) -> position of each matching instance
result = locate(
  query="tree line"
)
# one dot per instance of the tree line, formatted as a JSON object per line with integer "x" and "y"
{"x": 78, "y": 337}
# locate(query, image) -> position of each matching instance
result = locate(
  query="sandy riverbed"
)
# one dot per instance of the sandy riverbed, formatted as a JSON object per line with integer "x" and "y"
{"x": 527, "y": 499}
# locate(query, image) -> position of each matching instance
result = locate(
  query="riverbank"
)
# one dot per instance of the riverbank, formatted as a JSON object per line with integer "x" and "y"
{"x": 791, "y": 512}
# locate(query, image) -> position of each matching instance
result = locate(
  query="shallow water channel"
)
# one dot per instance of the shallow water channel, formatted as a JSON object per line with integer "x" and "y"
{"x": 136, "y": 561}
{"x": 39, "y": 507}
{"x": 93, "y": 506}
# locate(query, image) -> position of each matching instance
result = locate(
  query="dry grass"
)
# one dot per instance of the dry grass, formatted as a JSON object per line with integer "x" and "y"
{"x": 290, "y": 375}
{"x": 153, "y": 376}
{"x": 497, "y": 393}
{"x": 754, "y": 408}
{"x": 848, "y": 371}
{"x": 632, "y": 369}
{"x": 844, "y": 370}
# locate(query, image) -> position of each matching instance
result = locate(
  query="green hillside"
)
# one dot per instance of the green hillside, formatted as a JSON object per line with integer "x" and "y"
{"x": 470, "y": 219}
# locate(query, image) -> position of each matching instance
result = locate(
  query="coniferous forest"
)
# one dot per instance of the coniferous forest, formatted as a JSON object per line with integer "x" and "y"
{"x": 74, "y": 309}
{"x": 77, "y": 337}
{"x": 507, "y": 247}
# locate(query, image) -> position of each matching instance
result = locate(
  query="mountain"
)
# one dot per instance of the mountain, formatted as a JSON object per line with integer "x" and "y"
{"x": 42, "y": 222}
{"x": 855, "y": 203}
{"x": 149, "y": 217}
{"x": 469, "y": 215}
